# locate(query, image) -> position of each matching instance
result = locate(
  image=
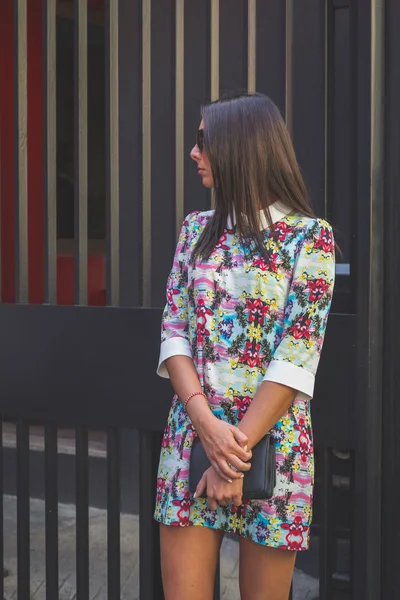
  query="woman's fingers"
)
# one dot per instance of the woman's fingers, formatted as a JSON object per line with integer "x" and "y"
{"x": 240, "y": 437}
{"x": 225, "y": 502}
{"x": 212, "y": 503}
{"x": 237, "y": 500}
{"x": 238, "y": 464}
{"x": 201, "y": 486}
{"x": 224, "y": 467}
{"x": 239, "y": 448}
{"x": 216, "y": 465}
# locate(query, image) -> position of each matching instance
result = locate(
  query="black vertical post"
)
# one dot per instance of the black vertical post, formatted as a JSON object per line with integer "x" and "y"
{"x": 391, "y": 315}
{"x": 326, "y": 541}
{"x": 367, "y": 109}
{"x": 113, "y": 514}
{"x": 271, "y": 50}
{"x": 1, "y": 514}
{"x": 291, "y": 592}
{"x": 82, "y": 513}
{"x": 149, "y": 535}
{"x": 130, "y": 185}
{"x": 130, "y": 152}
{"x": 196, "y": 78}
{"x": 23, "y": 517}
{"x": 51, "y": 500}
{"x": 81, "y": 281}
{"x": 306, "y": 92}
{"x": 217, "y": 583}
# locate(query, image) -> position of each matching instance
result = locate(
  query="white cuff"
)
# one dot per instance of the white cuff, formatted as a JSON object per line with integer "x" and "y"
{"x": 288, "y": 374}
{"x": 172, "y": 347}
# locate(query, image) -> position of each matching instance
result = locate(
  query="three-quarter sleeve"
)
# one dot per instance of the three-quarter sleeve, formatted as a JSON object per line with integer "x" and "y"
{"x": 174, "y": 327}
{"x": 296, "y": 357}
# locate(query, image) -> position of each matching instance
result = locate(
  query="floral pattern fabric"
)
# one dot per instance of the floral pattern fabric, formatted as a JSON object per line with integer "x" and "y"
{"x": 244, "y": 319}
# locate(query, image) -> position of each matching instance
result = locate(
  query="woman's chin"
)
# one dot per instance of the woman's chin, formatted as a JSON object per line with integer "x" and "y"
{"x": 207, "y": 182}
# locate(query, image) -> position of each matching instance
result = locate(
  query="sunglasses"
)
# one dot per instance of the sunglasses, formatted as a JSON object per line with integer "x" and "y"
{"x": 200, "y": 139}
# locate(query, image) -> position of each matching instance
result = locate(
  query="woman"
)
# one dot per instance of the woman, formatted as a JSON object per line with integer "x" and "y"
{"x": 248, "y": 300}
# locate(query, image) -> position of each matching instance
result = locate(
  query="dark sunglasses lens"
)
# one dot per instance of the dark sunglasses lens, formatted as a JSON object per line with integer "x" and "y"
{"x": 200, "y": 140}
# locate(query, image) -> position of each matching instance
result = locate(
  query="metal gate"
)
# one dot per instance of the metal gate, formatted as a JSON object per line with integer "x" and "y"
{"x": 329, "y": 66}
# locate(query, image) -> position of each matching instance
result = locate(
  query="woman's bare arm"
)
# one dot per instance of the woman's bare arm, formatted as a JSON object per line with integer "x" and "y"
{"x": 222, "y": 442}
{"x": 269, "y": 404}
{"x": 185, "y": 381}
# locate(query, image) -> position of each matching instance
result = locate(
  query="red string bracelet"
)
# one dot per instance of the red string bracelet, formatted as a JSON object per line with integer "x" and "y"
{"x": 191, "y": 396}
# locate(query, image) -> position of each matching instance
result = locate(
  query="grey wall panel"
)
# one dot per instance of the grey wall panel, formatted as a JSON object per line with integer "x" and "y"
{"x": 162, "y": 144}
{"x": 197, "y": 91}
{"x": 130, "y": 152}
{"x": 271, "y": 50}
{"x": 233, "y": 45}
{"x": 341, "y": 209}
{"x": 308, "y": 95}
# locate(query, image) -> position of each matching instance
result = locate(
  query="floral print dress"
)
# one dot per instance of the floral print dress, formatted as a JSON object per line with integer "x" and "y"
{"x": 245, "y": 320}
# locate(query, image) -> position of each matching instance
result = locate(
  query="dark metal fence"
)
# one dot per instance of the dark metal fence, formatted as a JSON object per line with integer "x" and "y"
{"x": 327, "y": 64}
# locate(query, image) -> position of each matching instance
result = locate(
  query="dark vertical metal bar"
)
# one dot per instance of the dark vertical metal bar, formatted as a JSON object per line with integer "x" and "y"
{"x": 130, "y": 155}
{"x": 326, "y": 541}
{"x": 214, "y": 54}
{"x": 179, "y": 112}
{"x": 340, "y": 208}
{"x": 149, "y": 536}
{"x": 112, "y": 152}
{"x": 146, "y": 151}
{"x": 327, "y": 24}
{"x": 391, "y": 391}
{"x": 289, "y": 65}
{"x": 271, "y": 50}
{"x": 368, "y": 46}
{"x": 23, "y": 530}
{"x": 197, "y": 85}
{"x": 82, "y": 514}
{"x": 217, "y": 583}
{"x": 233, "y": 44}
{"x": 113, "y": 514}
{"x": 21, "y": 151}
{"x": 1, "y": 514}
{"x": 353, "y": 505}
{"x": 163, "y": 154}
{"x": 50, "y": 152}
{"x": 1, "y": 204}
{"x": 51, "y": 501}
{"x": 306, "y": 111}
{"x": 81, "y": 146}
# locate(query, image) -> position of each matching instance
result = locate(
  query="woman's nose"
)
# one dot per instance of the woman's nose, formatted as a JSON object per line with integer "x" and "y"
{"x": 195, "y": 154}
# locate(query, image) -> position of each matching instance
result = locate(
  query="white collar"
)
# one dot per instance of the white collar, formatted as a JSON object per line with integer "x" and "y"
{"x": 277, "y": 211}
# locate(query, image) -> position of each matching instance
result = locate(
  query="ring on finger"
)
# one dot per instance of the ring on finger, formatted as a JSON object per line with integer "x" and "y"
{"x": 231, "y": 466}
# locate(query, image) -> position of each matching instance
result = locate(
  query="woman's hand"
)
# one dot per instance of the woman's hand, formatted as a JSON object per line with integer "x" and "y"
{"x": 226, "y": 448}
{"x": 219, "y": 492}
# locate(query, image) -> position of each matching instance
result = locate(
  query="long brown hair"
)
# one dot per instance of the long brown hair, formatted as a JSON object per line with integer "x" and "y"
{"x": 253, "y": 163}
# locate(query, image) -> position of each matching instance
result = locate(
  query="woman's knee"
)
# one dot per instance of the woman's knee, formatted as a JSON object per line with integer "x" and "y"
{"x": 189, "y": 557}
{"x": 265, "y": 573}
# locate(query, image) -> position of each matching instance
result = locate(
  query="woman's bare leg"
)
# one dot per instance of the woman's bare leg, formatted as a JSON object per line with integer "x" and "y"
{"x": 265, "y": 573}
{"x": 189, "y": 557}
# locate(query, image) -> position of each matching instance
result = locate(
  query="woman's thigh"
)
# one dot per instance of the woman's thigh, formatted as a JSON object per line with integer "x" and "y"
{"x": 265, "y": 573}
{"x": 189, "y": 557}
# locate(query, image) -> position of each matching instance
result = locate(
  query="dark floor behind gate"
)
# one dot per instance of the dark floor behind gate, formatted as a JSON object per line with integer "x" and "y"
{"x": 117, "y": 106}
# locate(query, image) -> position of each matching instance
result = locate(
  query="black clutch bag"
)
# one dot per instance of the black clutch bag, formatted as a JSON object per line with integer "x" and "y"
{"x": 258, "y": 483}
